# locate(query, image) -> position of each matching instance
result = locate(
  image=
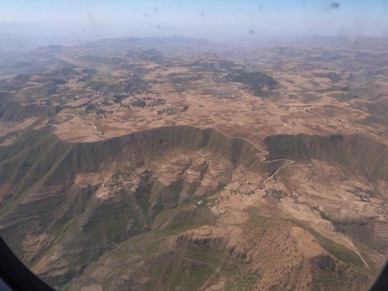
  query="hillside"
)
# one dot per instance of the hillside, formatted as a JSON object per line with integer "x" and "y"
{"x": 178, "y": 164}
{"x": 111, "y": 194}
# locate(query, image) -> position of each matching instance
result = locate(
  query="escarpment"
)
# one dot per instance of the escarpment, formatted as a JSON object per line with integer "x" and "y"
{"x": 358, "y": 152}
{"x": 52, "y": 194}
{"x": 62, "y": 196}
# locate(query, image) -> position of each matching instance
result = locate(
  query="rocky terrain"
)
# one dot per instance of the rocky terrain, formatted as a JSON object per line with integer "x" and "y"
{"x": 160, "y": 164}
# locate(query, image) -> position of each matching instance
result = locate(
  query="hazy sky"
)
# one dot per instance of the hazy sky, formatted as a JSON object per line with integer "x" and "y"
{"x": 219, "y": 19}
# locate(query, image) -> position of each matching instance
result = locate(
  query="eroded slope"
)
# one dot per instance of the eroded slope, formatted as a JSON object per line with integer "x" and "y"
{"x": 228, "y": 211}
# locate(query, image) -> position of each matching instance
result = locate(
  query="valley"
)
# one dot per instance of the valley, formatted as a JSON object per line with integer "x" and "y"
{"x": 180, "y": 164}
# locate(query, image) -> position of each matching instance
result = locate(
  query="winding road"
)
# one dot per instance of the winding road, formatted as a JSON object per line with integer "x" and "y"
{"x": 262, "y": 157}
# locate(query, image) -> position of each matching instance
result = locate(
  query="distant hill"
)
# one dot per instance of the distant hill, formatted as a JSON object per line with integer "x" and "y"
{"x": 173, "y": 44}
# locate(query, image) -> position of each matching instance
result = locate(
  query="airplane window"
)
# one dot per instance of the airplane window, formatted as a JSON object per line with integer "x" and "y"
{"x": 194, "y": 145}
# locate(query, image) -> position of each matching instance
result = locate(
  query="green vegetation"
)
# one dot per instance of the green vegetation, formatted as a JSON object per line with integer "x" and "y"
{"x": 328, "y": 275}
{"x": 184, "y": 274}
{"x": 254, "y": 217}
{"x": 182, "y": 218}
{"x": 239, "y": 279}
{"x": 13, "y": 111}
{"x": 341, "y": 252}
{"x": 359, "y": 231}
{"x": 29, "y": 162}
{"x": 259, "y": 83}
{"x": 166, "y": 268}
{"x": 39, "y": 159}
